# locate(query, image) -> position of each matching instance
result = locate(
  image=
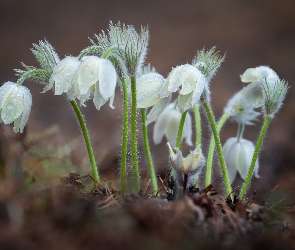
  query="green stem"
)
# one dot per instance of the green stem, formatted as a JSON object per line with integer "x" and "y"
{"x": 87, "y": 139}
{"x": 198, "y": 124}
{"x": 124, "y": 137}
{"x": 148, "y": 152}
{"x": 180, "y": 129}
{"x": 134, "y": 135}
{"x": 240, "y": 131}
{"x": 218, "y": 147}
{"x": 220, "y": 124}
{"x": 255, "y": 156}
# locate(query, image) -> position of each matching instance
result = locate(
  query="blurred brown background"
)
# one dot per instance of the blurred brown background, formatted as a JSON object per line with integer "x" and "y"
{"x": 250, "y": 32}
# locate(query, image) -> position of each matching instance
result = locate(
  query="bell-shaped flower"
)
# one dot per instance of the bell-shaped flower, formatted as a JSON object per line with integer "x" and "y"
{"x": 258, "y": 74}
{"x": 191, "y": 164}
{"x": 61, "y": 80}
{"x": 96, "y": 75}
{"x": 148, "y": 87}
{"x": 168, "y": 123}
{"x": 238, "y": 156}
{"x": 15, "y": 105}
{"x": 241, "y": 106}
{"x": 191, "y": 83}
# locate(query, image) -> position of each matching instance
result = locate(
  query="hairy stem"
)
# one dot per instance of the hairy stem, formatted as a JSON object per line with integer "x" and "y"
{"x": 212, "y": 122}
{"x": 148, "y": 152}
{"x": 87, "y": 139}
{"x": 220, "y": 124}
{"x": 134, "y": 135}
{"x": 180, "y": 129}
{"x": 124, "y": 137}
{"x": 255, "y": 156}
{"x": 198, "y": 124}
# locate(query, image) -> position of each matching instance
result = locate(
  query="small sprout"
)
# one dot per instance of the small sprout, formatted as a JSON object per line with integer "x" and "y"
{"x": 168, "y": 123}
{"x": 238, "y": 154}
{"x": 15, "y": 105}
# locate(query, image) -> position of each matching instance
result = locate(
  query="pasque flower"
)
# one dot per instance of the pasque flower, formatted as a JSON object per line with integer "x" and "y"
{"x": 191, "y": 164}
{"x": 191, "y": 83}
{"x": 15, "y": 105}
{"x": 80, "y": 79}
{"x": 258, "y": 74}
{"x": 238, "y": 155}
{"x": 168, "y": 123}
{"x": 148, "y": 88}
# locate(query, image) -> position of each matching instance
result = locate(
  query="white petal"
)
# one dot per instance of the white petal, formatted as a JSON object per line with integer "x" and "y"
{"x": 27, "y": 100}
{"x": 184, "y": 102}
{"x": 63, "y": 75}
{"x": 107, "y": 78}
{"x": 250, "y": 75}
{"x": 148, "y": 88}
{"x": 160, "y": 125}
{"x": 201, "y": 86}
{"x": 164, "y": 92}
{"x": 191, "y": 80}
{"x": 230, "y": 158}
{"x": 5, "y": 90}
{"x": 98, "y": 99}
{"x": 187, "y": 130}
{"x": 178, "y": 76}
{"x": 87, "y": 74}
{"x": 157, "y": 109}
{"x": 13, "y": 106}
{"x": 173, "y": 125}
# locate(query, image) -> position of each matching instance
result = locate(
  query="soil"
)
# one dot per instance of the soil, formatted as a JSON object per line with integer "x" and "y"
{"x": 66, "y": 217}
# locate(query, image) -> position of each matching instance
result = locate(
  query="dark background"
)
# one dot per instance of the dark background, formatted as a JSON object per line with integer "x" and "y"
{"x": 250, "y": 32}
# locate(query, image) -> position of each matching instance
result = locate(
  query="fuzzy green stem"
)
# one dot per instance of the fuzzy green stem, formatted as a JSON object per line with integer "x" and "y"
{"x": 220, "y": 124}
{"x": 148, "y": 152}
{"x": 198, "y": 125}
{"x": 180, "y": 129}
{"x": 212, "y": 122}
{"x": 240, "y": 131}
{"x": 134, "y": 135}
{"x": 124, "y": 137}
{"x": 87, "y": 140}
{"x": 255, "y": 156}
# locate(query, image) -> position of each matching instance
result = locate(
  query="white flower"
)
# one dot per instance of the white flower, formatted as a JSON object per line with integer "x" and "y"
{"x": 168, "y": 123}
{"x": 192, "y": 83}
{"x": 238, "y": 156}
{"x": 61, "y": 80}
{"x": 147, "y": 88}
{"x": 191, "y": 164}
{"x": 15, "y": 105}
{"x": 258, "y": 74}
{"x": 241, "y": 106}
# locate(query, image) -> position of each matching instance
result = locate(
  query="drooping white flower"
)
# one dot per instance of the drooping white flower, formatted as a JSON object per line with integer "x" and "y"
{"x": 258, "y": 74}
{"x": 242, "y": 105}
{"x": 191, "y": 83}
{"x": 148, "y": 88}
{"x": 167, "y": 125}
{"x": 238, "y": 156}
{"x": 191, "y": 164}
{"x": 61, "y": 80}
{"x": 15, "y": 105}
